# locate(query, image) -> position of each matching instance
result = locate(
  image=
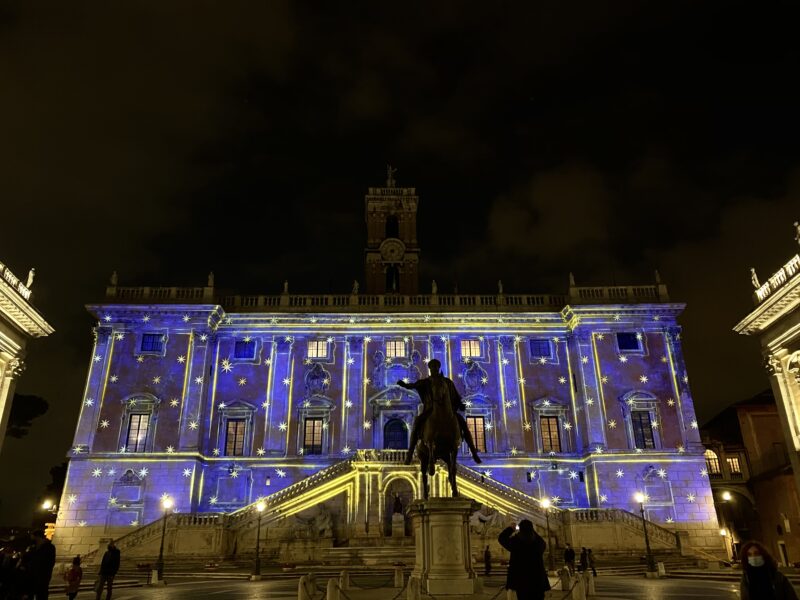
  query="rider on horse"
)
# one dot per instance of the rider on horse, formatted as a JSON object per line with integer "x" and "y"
{"x": 424, "y": 388}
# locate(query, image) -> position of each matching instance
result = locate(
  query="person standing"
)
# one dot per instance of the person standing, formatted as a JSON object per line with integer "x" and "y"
{"x": 584, "y": 560}
{"x": 487, "y": 562}
{"x": 108, "y": 569}
{"x": 526, "y": 572}
{"x": 39, "y": 565}
{"x": 761, "y": 579}
{"x": 590, "y": 558}
{"x": 569, "y": 558}
{"x": 73, "y": 577}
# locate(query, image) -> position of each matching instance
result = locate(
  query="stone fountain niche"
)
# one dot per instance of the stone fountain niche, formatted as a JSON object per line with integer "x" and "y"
{"x": 443, "y": 564}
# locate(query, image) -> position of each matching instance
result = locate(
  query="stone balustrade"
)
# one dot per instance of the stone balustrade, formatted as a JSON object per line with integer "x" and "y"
{"x": 623, "y": 517}
{"x": 778, "y": 279}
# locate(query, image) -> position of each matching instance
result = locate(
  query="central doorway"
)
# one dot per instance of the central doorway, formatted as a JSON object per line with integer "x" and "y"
{"x": 395, "y": 435}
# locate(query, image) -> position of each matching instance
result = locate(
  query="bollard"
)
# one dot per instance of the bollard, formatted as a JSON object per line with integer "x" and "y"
{"x": 332, "y": 590}
{"x": 398, "y": 577}
{"x": 305, "y": 589}
{"x": 590, "y": 590}
{"x": 344, "y": 579}
{"x": 564, "y": 577}
{"x": 412, "y": 591}
{"x": 511, "y": 595}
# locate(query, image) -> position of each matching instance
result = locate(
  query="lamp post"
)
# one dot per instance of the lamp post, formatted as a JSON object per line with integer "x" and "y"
{"x": 651, "y": 563}
{"x": 256, "y": 576}
{"x": 726, "y": 499}
{"x": 166, "y": 503}
{"x": 545, "y": 504}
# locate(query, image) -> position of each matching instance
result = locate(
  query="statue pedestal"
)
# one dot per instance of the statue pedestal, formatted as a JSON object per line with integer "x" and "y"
{"x": 441, "y": 533}
{"x": 398, "y": 525}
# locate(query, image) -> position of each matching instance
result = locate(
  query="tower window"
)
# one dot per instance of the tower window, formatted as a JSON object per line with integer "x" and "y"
{"x": 540, "y": 347}
{"x": 477, "y": 427}
{"x": 312, "y": 435}
{"x": 395, "y": 349}
{"x": 642, "y": 429}
{"x": 470, "y": 348}
{"x": 318, "y": 349}
{"x": 392, "y": 226}
{"x": 629, "y": 341}
{"x": 234, "y": 437}
{"x": 152, "y": 342}
{"x": 138, "y": 424}
{"x": 244, "y": 349}
{"x": 551, "y": 436}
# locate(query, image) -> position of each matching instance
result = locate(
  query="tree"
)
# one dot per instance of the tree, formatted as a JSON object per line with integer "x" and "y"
{"x": 24, "y": 409}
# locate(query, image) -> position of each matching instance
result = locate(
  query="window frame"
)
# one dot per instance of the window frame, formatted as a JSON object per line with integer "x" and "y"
{"x": 139, "y": 404}
{"x": 713, "y": 464}
{"x": 240, "y": 437}
{"x": 638, "y": 421}
{"x": 540, "y": 340}
{"x": 321, "y": 434}
{"x": 551, "y": 407}
{"x": 639, "y": 342}
{"x": 639, "y": 401}
{"x": 143, "y": 446}
{"x": 394, "y": 343}
{"x": 238, "y": 411}
{"x": 478, "y": 435}
{"x": 546, "y": 447}
{"x": 738, "y": 473}
{"x": 252, "y": 342}
{"x": 315, "y": 344}
{"x": 140, "y": 337}
{"x": 474, "y": 346}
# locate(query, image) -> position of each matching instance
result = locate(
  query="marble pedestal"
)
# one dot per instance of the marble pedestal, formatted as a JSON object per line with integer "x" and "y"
{"x": 441, "y": 533}
{"x": 398, "y": 525}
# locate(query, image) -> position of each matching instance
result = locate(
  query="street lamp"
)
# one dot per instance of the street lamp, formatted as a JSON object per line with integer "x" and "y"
{"x": 167, "y": 503}
{"x": 260, "y": 506}
{"x": 545, "y": 504}
{"x": 726, "y": 499}
{"x": 651, "y": 563}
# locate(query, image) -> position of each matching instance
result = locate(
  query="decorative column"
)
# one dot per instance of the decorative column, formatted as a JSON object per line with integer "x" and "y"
{"x": 95, "y": 389}
{"x": 443, "y": 550}
{"x": 786, "y": 401}
{"x": 687, "y": 418}
{"x": 9, "y": 374}
{"x": 199, "y": 379}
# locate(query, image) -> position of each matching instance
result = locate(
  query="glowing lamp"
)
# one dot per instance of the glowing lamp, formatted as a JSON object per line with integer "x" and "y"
{"x": 261, "y": 506}
{"x": 726, "y": 496}
{"x": 545, "y": 502}
{"x": 167, "y": 503}
{"x": 47, "y": 504}
{"x": 723, "y": 533}
{"x": 639, "y": 497}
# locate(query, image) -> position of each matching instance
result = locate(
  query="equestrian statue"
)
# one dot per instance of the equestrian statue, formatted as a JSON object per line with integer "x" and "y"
{"x": 438, "y": 431}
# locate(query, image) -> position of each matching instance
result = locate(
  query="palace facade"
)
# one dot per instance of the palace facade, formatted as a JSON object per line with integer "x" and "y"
{"x": 218, "y": 400}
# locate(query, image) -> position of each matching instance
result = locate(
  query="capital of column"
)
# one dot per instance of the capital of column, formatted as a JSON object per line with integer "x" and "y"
{"x": 772, "y": 364}
{"x": 15, "y": 368}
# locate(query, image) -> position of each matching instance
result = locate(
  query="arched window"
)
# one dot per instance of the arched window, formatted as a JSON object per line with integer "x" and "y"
{"x": 395, "y": 435}
{"x": 392, "y": 279}
{"x": 392, "y": 226}
{"x": 712, "y": 464}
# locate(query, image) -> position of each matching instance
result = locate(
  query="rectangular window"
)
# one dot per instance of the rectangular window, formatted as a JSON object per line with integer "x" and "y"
{"x": 470, "y": 348}
{"x": 642, "y": 429}
{"x": 318, "y": 349}
{"x": 540, "y": 348}
{"x": 152, "y": 342}
{"x": 629, "y": 342}
{"x": 551, "y": 436}
{"x": 476, "y": 426}
{"x": 137, "y": 432}
{"x": 712, "y": 465}
{"x": 245, "y": 349}
{"x": 234, "y": 437}
{"x": 734, "y": 467}
{"x": 395, "y": 349}
{"x": 312, "y": 436}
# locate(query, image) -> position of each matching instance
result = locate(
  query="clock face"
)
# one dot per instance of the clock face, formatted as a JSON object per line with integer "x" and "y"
{"x": 392, "y": 250}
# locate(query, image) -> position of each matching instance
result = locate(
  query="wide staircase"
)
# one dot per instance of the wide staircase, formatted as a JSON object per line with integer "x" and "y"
{"x": 140, "y": 547}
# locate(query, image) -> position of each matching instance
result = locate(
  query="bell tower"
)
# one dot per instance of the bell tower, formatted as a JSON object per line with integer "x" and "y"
{"x": 391, "y": 257}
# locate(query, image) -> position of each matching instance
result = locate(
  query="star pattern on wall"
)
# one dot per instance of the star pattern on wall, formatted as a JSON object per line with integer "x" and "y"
{"x": 568, "y": 426}
{"x": 170, "y": 450}
{"x": 193, "y": 425}
{"x": 670, "y": 402}
{"x": 681, "y": 449}
{"x": 77, "y": 450}
{"x": 603, "y": 498}
{"x": 663, "y": 359}
{"x": 97, "y": 358}
{"x": 215, "y": 452}
{"x": 113, "y": 379}
{"x": 212, "y": 500}
{"x": 143, "y": 472}
{"x": 562, "y": 380}
{"x": 203, "y": 337}
{"x": 693, "y": 424}
{"x": 590, "y": 401}
{"x": 573, "y": 474}
{"x": 261, "y": 452}
{"x": 620, "y": 473}
{"x": 286, "y": 381}
{"x": 599, "y": 450}
{"x": 242, "y": 381}
{"x": 268, "y": 361}
{"x": 604, "y": 379}
{"x": 489, "y": 426}
{"x": 623, "y": 358}
{"x": 346, "y": 450}
{"x": 146, "y": 319}
{"x": 639, "y": 451}
{"x": 186, "y": 318}
{"x": 283, "y": 426}
{"x": 157, "y": 379}
{"x": 174, "y": 403}
{"x": 104, "y": 423}
{"x": 187, "y": 472}
{"x": 661, "y": 473}
{"x": 584, "y": 359}
{"x": 643, "y": 378}
{"x": 703, "y": 472}
{"x": 89, "y": 402}
{"x": 348, "y": 404}
{"x": 612, "y": 424}
{"x": 97, "y": 472}
{"x": 691, "y": 497}
{"x": 81, "y": 523}
{"x": 140, "y": 359}
{"x": 280, "y": 472}
{"x": 542, "y": 360}
{"x": 198, "y": 380}
{"x": 181, "y": 359}
{"x": 367, "y": 425}
{"x": 514, "y": 451}
{"x": 504, "y": 360}
{"x": 265, "y": 404}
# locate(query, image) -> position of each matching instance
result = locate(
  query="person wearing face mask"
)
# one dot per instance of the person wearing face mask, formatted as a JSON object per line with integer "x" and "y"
{"x": 761, "y": 579}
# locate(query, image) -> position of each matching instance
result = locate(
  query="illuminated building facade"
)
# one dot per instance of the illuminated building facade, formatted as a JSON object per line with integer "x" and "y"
{"x": 217, "y": 400}
{"x": 19, "y": 322}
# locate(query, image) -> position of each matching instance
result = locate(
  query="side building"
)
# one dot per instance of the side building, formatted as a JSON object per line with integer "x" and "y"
{"x": 217, "y": 400}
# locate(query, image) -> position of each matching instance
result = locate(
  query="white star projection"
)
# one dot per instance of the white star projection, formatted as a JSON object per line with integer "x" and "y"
{"x": 174, "y": 402}
{"x": 584, "y": 359}
{"x": 193, "y": 425}
{"x": 514, "y": 451}
{"x": 226, "y": 366}
{"x": 112, "y": 501}
{"x": 235, "y": 474}
{"x": 600, "y": 337}
{"x": 542, "y": 360}
{"x": 654, "y": 424}
{"x": 685, "y": 379}
{"x": 663, "y": 359}
{"x": 242, "y": 381}
{"x": 604, "y": 379}
{"x": 113, "y": 379}
{"x": 212, "y": 500}
{"x": 97, "y": 358}
{"x": 348, "y": 404}
{"x": 346, "y": 450}
{"x": 489, "y": 426}
{"x": 603, "y": 498}
{"x": 146, "y": 318}
{"x": 157, "y": 379}
{"x": 286, "y": 381}
{"x": 280, "y": 472}
{"x": 143, "y": 472}
{"x": 181, "y": 359}
{"x": 599, "y": 450}
{"x": 690, "y": 497}
{"x": 112, "y": 472}
{"x": 617, "y": 317}
{"x": 623, "y": 358}
{"x": 562, "y": 380}
{"x": 522, "y": 381}
{"x": 703, "y": 472}
{"x": 140, "y": 359}
{"x": 198, "y": 380}
{"x": 367, "y": 425}
{"x": 488, "y": 473}
{"x": 261, "y": 452}
{"x": 186, "y": 318}
{"x": 590, "y": 401}
{"x": 221, "y": 406}
{"x": 77, "y": 450}
{"x": 97, "y": 472}
{"x": 643, "y": 378}
{"x": 268, "y": 361}
{"x": 350, "y": 360}
{"x": 639, "y": 451}
{"x": 367, "y": 339}
{"x": 507, "y": 404}
{"x": 187, "y": 472}
{"x": 555, "y": 499}
{"x": 203, "y": 337}
{"x": 265, "y": 404}
{"x": 681, "y": 449}
{"x": 670, "y": 402}
{"x": 573, "y": 474}
{"x": 661, "y": 473}
{"x": 215, "y": 452}
{"x": 170, "y": 449}
{"x": 107, "y": 318}
{"x": 135, "y": 523}
{"x": 693, "y": 425}
{"x": 612, "y": 424}
{"x": 81, "y": 523}
{"x": 669, "y": 520}
{"x": 620, "y": 473}
{"x": 89, "y": 401}
{"x": 504, "y": 360}
{"x": 283, "y": 426}
{"x": 567, "y": 426}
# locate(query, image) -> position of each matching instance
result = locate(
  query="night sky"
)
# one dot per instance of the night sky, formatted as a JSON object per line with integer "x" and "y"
{"x": 608, "y": 139}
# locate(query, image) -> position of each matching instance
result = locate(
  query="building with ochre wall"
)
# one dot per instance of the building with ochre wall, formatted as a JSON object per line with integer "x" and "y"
{"x": 217, "y": 400}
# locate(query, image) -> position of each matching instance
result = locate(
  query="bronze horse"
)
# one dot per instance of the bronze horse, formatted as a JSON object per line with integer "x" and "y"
{"x": 441, "y": 435}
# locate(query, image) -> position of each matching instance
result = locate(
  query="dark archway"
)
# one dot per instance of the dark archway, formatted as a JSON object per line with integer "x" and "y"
{"x": 392, "y": 226}
{"x": 395, "y": 435}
